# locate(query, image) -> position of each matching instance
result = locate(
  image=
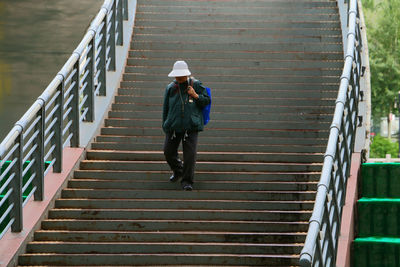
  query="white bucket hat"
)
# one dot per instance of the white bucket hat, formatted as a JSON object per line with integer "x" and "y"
{"x": 180, "y": 69}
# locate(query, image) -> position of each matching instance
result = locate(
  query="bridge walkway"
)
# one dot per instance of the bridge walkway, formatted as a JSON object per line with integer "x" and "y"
{"x": 274, "y": 69}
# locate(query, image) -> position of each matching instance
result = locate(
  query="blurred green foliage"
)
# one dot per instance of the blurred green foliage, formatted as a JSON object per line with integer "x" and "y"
{"x": 383, "y": 33}
{"x": 381, "y": 146}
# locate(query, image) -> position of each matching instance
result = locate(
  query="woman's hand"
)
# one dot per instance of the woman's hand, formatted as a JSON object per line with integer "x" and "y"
{"x": 192, "y": 92}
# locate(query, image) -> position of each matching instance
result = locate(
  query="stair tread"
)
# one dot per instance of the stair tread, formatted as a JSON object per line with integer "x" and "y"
{"x": 172, "y": 254}
{"x": 200, "y": 152}
{"x": 169, "y": 210}
{"x": 174, "y": 232}
{"x": 198, "y": 162}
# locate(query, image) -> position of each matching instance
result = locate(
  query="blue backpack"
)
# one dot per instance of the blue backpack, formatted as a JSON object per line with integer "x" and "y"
{"x": 206, "y": 110}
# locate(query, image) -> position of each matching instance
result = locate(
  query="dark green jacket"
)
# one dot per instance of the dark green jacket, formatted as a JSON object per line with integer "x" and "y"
{"x": 181, "y": 113}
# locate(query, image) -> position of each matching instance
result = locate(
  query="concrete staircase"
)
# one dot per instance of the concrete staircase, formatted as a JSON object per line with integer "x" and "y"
{"x": 274, "y": 68}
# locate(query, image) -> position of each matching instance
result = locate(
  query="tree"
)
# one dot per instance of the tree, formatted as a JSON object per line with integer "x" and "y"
{"x": 384, "y": 51}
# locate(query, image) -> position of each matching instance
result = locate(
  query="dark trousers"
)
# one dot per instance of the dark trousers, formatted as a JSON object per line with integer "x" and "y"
{"x": 189, "y": 144}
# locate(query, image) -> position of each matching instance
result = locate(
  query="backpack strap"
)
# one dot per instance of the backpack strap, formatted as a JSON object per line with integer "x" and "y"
{"x": 191, "y": 81}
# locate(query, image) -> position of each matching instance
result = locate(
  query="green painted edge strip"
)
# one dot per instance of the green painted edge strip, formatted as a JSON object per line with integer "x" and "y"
{"x": 380, "y": 163}
{"x": 377, "y": 239}
{"x": 367, "y": 199}
{"x": 1, "y": 196}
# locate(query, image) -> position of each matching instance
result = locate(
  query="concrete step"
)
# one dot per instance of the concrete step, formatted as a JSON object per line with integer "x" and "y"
{"x": 160, "y": 248}
{"x": 238, "y": 3}
{"x": 231, "y": 116}
{"x": 227, "y": 148}
{"x": 190, "y": 236}
{"x": 203, "y": 156}
{"x": 297, "y": 102}
{"x": 248, "y": 124}
{"x": 201, "y": 166}
{"x": 275, "y": 45}
{"x": 169, "y": 204}
{"x": 260, "y": 30}
{"x": 227, "y": 108}
{"x": 193, "y": 195}
{"x": 249, "y": 39}
{"x": 265, "y": 22}
{"x": 256, "y": 9}
{"x": 306, "y": 79}
{"x": 153, "y": 96}
{"x": 200, "y": 176}
{"x": 157, "y": 259}
{"x": 173, "y": 225}
{"x": 237, "y": 88}
{"x": 216, "y": 123}
{"x": 161, "y": 214}
{"x": 210, "y": 185}
{"x": 215, "y": 140}
{"x": 237, "y": 63}
{"x": 310, "y": 15}
{"x": 132, "y": 131}
{"x": 227, "y": 73}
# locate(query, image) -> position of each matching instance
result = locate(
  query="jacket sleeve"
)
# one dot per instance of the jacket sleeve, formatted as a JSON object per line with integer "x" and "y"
{"x": 204, "y": 99}
{"x": 165, "y": 105}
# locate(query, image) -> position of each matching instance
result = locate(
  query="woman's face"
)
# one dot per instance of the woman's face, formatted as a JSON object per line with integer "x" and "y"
{"x": 181, "y": 79}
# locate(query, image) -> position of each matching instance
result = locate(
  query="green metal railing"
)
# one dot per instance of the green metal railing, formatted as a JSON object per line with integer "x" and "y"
{"x": 34, "y": 145}
{"x": 321, "y": 244}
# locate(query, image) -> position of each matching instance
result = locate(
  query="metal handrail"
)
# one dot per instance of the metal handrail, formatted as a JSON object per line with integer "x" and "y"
{"x": 321, "y": 243}
{"x": 34, "y": 145}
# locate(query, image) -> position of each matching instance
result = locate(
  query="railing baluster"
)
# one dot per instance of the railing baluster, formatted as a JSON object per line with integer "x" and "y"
{"x": 16, "y": 184}
{"x": 111, "y": 40}
{"x": 76, "y": 113}
{"x": 126, "y": 15}
{"x": 119, "y": 19}
{"x": 89, "y": 91}
{"x": 58, "y": 129}
{"x": 101, "y": 68}
{"x": 39, "y": 155}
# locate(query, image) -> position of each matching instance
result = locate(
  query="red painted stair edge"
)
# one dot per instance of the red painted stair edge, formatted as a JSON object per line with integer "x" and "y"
{"x": 346, "y": 237}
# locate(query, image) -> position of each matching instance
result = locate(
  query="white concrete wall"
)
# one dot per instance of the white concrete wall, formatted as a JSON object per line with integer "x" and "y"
{"x": 89, "y": 130}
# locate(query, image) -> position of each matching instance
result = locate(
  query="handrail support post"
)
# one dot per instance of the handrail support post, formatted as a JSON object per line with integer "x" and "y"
{"x": 16, "y": 184}
{"x": 39, "y": 155}
{"x": 75, "y": 113}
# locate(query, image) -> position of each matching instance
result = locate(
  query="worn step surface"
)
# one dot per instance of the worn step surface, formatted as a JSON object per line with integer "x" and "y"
{"x": 177, "y": 204}
{"x": 187, "y": 236}
{"x": 201, "y": 156}
{"x": 274, "y": 68}
{"x": 200, "y": 176}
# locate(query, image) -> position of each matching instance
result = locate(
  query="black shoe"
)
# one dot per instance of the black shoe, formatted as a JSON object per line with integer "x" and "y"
{"x": 187, "y": 187}
{"x": 175, "y": 177}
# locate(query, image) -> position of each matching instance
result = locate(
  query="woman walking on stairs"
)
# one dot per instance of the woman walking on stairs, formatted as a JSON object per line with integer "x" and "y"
{"x": 184, "y": 100}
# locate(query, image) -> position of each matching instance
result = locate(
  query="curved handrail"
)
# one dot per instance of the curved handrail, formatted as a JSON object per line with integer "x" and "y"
{"x": 34, "y": 145}
{"x": 320, "y": 247}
